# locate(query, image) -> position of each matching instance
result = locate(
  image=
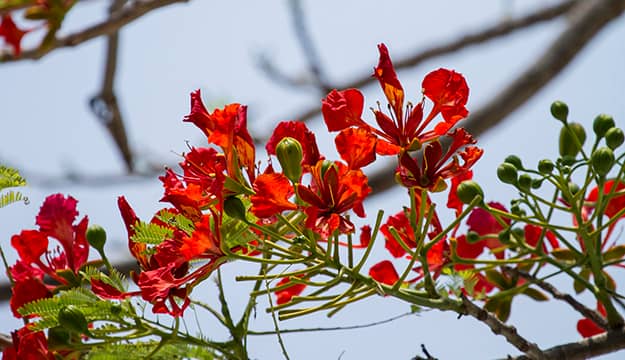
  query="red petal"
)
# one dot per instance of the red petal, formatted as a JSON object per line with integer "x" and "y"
{"x": 356, "y": 147}
{"x": 385, "y": 73}
{"x": 384, "y": 272}
{"x": 203, "y": 240}
{"x": 285, "y": 295}
{"x": 342, "y": 109}
{"x": 272, "y": 195}
{"x": 30, "y": 245}
{"x": 27, "y": 291}
{"x": 11, "y": 33}
{"x": 449, "y": 92}
{"x": 106, "y": 291}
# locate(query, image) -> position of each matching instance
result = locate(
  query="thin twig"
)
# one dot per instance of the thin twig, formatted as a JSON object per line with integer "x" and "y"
{"x": 112, "y": 24}
{"x": 492, "y": 32}
{"x": 557, "y": 294}
{"x": 336, "y": 328}
{"x": 500, "y": 328}
{"x": 105, "y": 105}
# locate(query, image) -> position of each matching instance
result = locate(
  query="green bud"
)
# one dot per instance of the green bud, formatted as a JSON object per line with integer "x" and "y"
{"x": 514, "y": 160}
{"x": 473, "y": 237}
{"x": 614, "y": 138}
{"x": 71, "y": 318}
{"x": 518, "y": 233}
{"x": 507, "y": 173}
{"x": 234, "y": 207}
{"x": 468, "y": 190}
{"x": 290, "y": 154}
{"x": 57, "y": 336}
{"x": 525, "y": 182}
{"x": 602, "y": 160}
{"x": 96, "y": 236}
{"x": 559, "y": 110}
{"x": 537, "y": 183}
{"x": 602, "y": 124}
{"x": 325, "y": 166}
{"x": 567, "y": 161}
{"x": 573, "y": 189}
{"x": 504, "y": 236}
{"x": 572, "y": 138}
{"x": 517, "y": 210}
{"x": 545, "y": 166}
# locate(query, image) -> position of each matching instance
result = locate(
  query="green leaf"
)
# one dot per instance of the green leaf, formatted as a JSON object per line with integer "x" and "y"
{"x": 10, "y": 178}
{"x": 140, "y": 350}
{"x": 150, "y": 233}
{"x": 535, "y": 294}
{"x": 497, "y": 278}
{"x": 11, "y": 197}
{"x": 578, "y": 285}
{"x": 563, "y": 254}
{"x": 614, "y": 253}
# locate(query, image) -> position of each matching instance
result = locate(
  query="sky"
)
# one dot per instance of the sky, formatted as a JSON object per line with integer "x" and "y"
{"x": 48, "y": 131}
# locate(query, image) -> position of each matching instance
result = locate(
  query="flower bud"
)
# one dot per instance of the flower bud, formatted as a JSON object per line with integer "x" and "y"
{"x": 96, "y": 236}
{"x": 602, "y": 124}
{"x": 525, "y": 182}
{"x": 514, "y": 160}
{"x": 325, "y": 166}
{"x": 572, "y": 138}
{"x": 602, "y": 160}
{"x": 71, "y": 318}
{"x": 559, "y": 110}
{"x": 473, "y": 237}
{"x": 545, "y": 166}
{"x": 517, "y": 210}
{"x": 504, "y": 236}
{"x": 537, "y": 183}
{"x": 507, "y": 173}
{"x": 468, "y": 190}
{"x": 614, "y": 138}
{"x": 289, "y": 152}
{"x": 234, "y": 207}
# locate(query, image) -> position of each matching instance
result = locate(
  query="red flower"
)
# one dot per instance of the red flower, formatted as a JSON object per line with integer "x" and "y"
{"x": 285, "y": 295}
{"x": 55, "y": 220}
{"x": 298, "y": 131}
{"x": 28, "y": 345}
{"x": 272, "y": 195}
{"x": 616, "y": 203}
{"x": 205, "y": 167}
{"x": 226, "y": 128}
{"x": 108, "y": 292}
{"x": 11, "y": 33}
{"x": 356, "y": 146}
{"x": 532, "y": 236}
{"x": 384, "y": 272}
{"x": 189, "y": 199}
{"x": 342, "y": 109}
{"x": 137, "y": 249}
{"x": 334, "y": 190}
{"x": 159, "y": 286}
{"x": 30, "y": 245}
{"x": 25, "y": 291}
{"x": 484, "y": 224}
{"x": 436, "y": 166}
{"x": 587, "y": 327}
{"x": 453, "y": 202}
{"x": 204, "y": 241}
{"x": 401, "y": 224}
{"x": 449, "y": 92}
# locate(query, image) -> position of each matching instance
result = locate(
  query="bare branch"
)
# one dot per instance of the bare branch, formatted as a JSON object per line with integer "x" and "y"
{"x": 557, "y": 294}
{"x": 472, "y": 38}
{"x": 109, "y": 26}
{"x": 105, "y": 105}
{"x": 587, "y": 18}
{"x": 597, "y": 345}
{"x": 500, "y": 328}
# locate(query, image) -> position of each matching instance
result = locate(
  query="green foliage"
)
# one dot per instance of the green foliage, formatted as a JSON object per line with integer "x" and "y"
{"x": 89, "y": 304}
{"x": 178, "y": 221}
{"x": 115, "y": 278}
{"x": 141, "y": 350}
{"x": 11, "y": 178}
{"x": 150, "y": 233}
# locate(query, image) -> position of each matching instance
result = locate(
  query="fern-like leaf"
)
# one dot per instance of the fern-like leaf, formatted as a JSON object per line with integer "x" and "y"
{"x": 10, "y": 178}
{"x": 10, "y": 197}
{"x": 150, "y": 233}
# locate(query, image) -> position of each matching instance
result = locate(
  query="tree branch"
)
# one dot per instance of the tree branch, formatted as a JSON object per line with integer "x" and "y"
{"x": 557, "y": 294}
{"x": 109, "y": 26}
{"x": 105, "y": 105}
{"x": 597, "y": 345}
{"x": 472, "y": 38}
{"x": 500, "y": 328}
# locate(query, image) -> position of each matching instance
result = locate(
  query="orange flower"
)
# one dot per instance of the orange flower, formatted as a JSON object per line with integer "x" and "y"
{"x": 272, "y": 195}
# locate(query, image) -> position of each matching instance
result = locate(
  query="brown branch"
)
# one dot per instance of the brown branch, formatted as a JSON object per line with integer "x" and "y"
{"x": 557, "y": 294}
{"x": 472, "y": 38}
{"x": 109, "y": 26}
{"x": 597, "y": 345}
{"x": 105, "y": 105}
{"x": 500, "y": 328}
{"x": 586, "y": 20}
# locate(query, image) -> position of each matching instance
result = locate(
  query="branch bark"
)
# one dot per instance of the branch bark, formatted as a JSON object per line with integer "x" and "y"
{"x": 109, "y": 26}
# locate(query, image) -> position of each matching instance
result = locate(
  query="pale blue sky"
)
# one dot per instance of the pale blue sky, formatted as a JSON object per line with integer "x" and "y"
{"x": 47, "y": 128}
